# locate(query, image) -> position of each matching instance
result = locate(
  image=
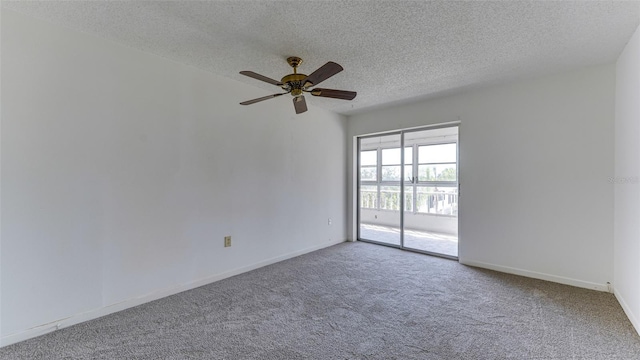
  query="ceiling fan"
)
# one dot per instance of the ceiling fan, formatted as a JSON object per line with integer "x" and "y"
{"x": 298, "y": 84}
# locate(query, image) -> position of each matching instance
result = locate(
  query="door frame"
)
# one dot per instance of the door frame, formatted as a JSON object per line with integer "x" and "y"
{"x": 402, "y": 132}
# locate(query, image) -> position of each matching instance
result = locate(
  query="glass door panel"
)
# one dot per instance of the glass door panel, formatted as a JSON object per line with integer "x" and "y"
{"x": 431, "y": 224}
{"x": 380, "y": 171}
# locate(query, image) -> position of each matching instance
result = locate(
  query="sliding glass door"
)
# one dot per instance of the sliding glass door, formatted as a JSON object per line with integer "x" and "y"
{"x": 422, "y": 180}
{"x": 379, "y": 189}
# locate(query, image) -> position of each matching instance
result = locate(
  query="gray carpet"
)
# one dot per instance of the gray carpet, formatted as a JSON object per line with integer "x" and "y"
{"x": 356, "y": 301}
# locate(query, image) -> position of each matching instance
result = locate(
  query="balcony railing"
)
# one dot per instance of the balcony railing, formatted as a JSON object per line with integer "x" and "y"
{"x": 440, "y": 202}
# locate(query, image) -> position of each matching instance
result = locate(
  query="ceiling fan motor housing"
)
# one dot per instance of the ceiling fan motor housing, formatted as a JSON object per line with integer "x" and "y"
{"x": 293, "y": 82}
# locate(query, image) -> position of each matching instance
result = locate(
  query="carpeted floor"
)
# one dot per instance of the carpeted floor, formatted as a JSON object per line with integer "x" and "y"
{"x": 356, "y": 301}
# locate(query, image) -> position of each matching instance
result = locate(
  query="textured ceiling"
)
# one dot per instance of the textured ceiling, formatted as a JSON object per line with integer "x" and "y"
{"x": 392, "y": 51}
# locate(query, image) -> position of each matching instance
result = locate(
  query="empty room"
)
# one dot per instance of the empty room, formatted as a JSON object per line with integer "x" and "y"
{"x": 319, "y": 180}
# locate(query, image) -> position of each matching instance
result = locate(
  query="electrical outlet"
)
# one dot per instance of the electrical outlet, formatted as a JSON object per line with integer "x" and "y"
{"x": 329, "y": 222}
{"x": 227, "y": 241}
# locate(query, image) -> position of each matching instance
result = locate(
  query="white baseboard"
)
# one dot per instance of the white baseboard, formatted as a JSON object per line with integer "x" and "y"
{"x": 537, "y": 275}
{"x": 627, "y": 310}
{"x": 129, "y": 303}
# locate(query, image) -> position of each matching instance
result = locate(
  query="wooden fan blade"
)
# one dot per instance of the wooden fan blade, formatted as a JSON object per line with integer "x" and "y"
{"x": 300, "y": 104}
{"x": 336, "y": 94}
{"x": 323, "y": 73}
{"x": 249, "y": 102}
{"x": 256, "y": 76}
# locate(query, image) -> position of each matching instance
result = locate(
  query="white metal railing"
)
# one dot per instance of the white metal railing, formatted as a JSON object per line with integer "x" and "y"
{"x": 437, "y": 202}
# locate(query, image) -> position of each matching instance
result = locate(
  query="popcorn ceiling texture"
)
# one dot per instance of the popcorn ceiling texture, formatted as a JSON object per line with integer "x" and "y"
{"x": 392, "y": 51}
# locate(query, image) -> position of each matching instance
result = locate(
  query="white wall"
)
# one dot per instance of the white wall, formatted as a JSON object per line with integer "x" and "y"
{"x": 122, "y": 172}
{"x": 0, "y": 175}
{"x": 535, "y": 163}
{"x": 626, "y": 180}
